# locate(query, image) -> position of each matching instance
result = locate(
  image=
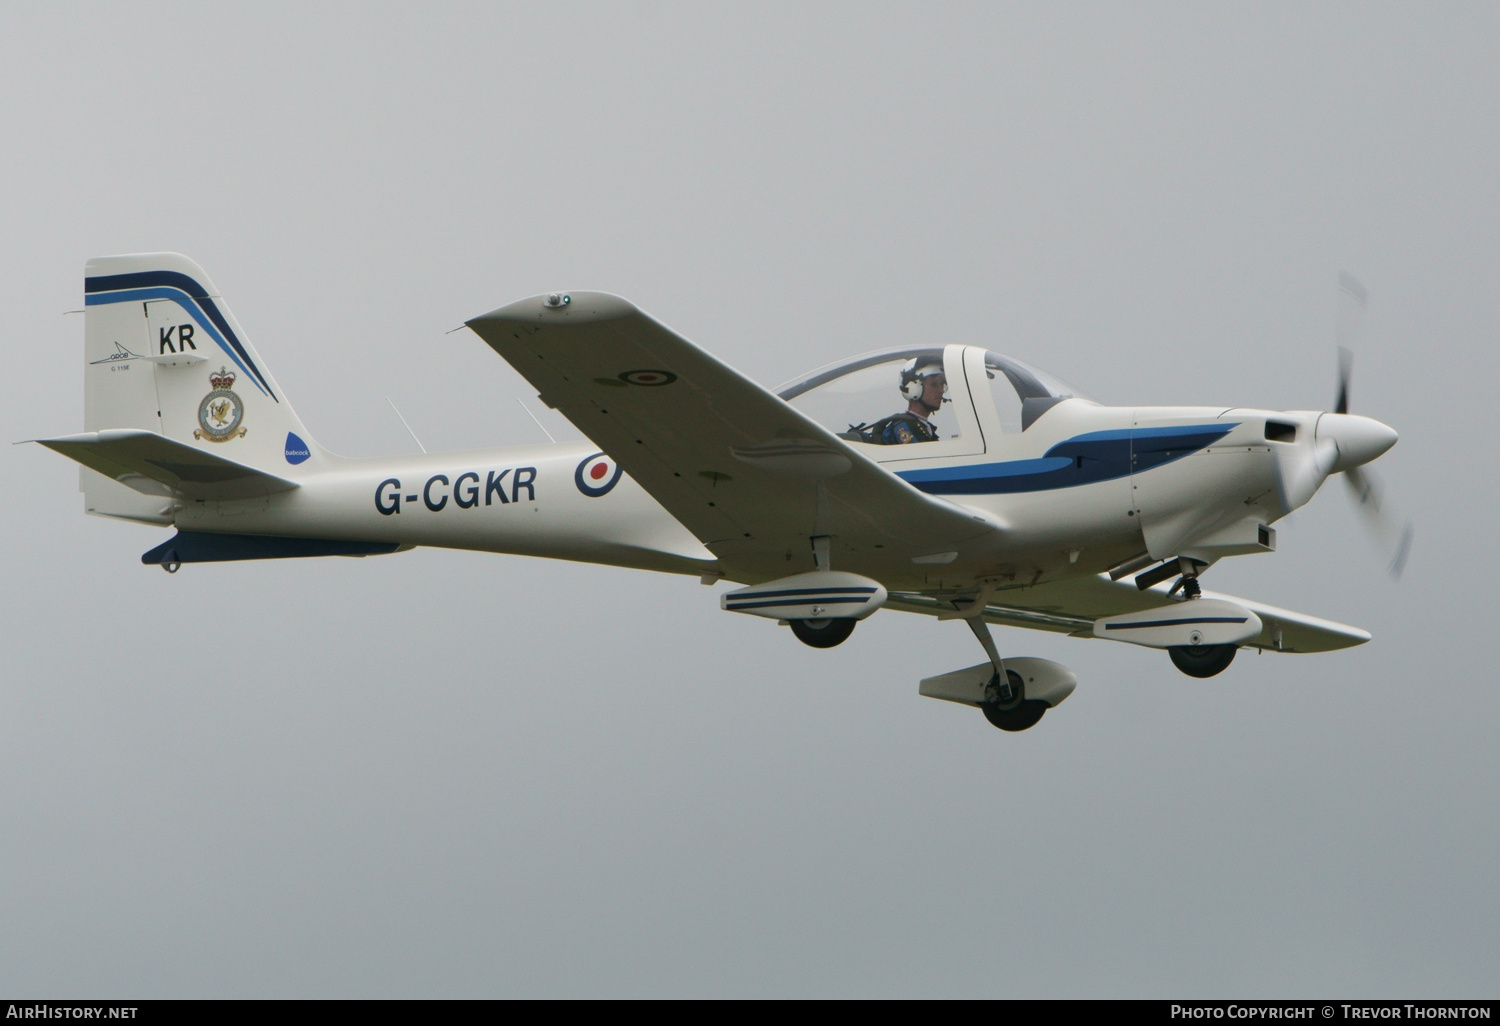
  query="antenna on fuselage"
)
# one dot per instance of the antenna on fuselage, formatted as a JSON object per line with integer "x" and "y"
{"x": 535, "y": 421}
{"x": 404, "y": 424}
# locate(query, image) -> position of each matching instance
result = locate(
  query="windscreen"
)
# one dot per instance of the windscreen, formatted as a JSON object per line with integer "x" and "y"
{"x": 896, "y": 397}
{"x": 1022, "y": 393}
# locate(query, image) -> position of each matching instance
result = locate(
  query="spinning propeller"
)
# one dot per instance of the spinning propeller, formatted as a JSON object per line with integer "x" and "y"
{"x": 1393, "y": 534}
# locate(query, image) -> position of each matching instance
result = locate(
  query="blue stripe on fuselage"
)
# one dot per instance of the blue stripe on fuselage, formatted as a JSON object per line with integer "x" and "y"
{"x": 1080, "y": 460}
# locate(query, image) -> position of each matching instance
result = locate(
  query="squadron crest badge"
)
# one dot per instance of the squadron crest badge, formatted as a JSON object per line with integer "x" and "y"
{"x": 220, "y": 412}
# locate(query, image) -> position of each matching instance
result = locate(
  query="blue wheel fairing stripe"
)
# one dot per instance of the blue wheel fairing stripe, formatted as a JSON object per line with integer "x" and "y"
{"x": 802, "y": 602}
{"x": 1173, "y": 623}
{"x": 146, "y": 285}
{"x": 809, "y": 591}
{"x": 1080, "y": 460}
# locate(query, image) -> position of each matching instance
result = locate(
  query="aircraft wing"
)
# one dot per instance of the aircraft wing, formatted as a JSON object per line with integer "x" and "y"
{"x": 1072, "y": 605}
{"x": 736, "y": 464}
{"x": 157, "y": 465}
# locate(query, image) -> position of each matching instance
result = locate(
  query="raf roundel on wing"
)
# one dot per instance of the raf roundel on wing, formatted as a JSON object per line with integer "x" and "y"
{"x": 596, "y": 475}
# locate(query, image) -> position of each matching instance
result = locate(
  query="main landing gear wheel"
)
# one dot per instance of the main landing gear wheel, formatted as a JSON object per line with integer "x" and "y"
{"x": 1019, "y": 713}
{"x": 823, "y": 633}
{"x": 1202, "y": 660}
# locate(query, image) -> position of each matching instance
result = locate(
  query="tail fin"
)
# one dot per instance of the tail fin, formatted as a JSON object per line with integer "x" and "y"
{"x": 164, "y": 354}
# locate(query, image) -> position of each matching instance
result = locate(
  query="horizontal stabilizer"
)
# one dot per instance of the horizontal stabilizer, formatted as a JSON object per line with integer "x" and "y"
{"x": 156, "y": 465}
{"x": 201, "y": 547}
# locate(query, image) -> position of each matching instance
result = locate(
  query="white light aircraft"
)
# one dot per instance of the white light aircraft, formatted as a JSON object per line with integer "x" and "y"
{"x": 940, "y": 479}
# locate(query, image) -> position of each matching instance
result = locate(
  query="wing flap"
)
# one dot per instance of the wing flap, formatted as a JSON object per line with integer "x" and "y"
{"x": 748, "y": 474}
{"x": 156, "y": 465}
{"x": 1286, "y": 631}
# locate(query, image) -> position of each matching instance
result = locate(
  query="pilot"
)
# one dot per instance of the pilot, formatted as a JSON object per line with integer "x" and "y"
{"x": 925, "y": 388}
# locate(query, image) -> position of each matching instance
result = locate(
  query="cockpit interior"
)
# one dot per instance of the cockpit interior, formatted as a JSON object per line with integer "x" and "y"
{"x": 927, "y": 395}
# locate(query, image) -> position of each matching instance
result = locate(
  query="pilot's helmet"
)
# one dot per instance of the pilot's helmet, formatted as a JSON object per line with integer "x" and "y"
{"x": 916, "y": 371}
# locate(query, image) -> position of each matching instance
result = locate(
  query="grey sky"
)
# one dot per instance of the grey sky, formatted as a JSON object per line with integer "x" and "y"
{"x": 453, "y": 774}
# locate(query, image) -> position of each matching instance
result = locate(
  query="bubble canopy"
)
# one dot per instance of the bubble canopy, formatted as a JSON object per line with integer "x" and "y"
{"x": 852, "y": 396}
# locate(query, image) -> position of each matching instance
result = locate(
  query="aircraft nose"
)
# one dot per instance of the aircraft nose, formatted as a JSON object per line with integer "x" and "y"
{"x": 1359, "y": 439}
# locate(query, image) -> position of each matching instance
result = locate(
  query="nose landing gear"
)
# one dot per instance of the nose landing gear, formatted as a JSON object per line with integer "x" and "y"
{"x": 1005, "y": 703}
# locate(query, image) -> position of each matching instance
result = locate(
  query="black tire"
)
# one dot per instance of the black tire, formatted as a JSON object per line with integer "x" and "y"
{"x": 1022, "y": 717}
{"x": 1021, "y": 714}
{"x": 823, "y": 633}
{"x": 1202, "y": 660}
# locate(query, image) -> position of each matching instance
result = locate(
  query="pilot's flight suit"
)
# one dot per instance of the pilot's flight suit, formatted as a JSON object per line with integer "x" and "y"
{"x": 902, "y": 428}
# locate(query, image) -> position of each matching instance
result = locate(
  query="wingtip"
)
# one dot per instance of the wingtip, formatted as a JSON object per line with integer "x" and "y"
{"x": 556, "y": 308}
